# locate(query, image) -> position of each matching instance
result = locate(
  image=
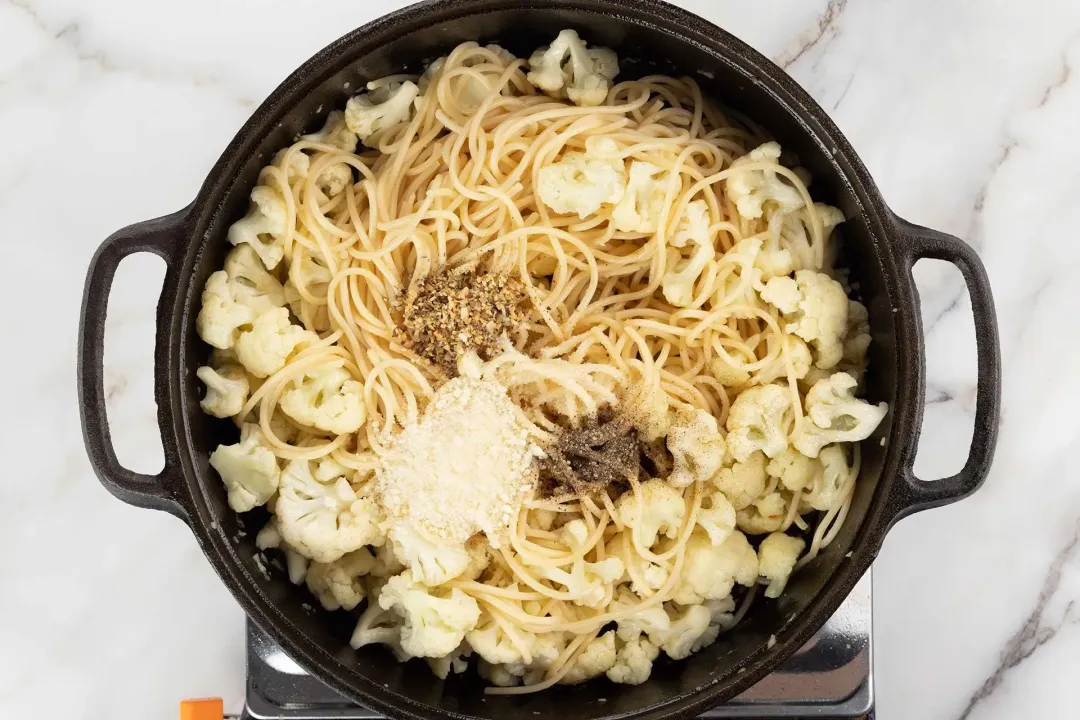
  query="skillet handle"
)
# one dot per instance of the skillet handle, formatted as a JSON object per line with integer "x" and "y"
{"x": 162, "y": 237}
{"x": 913, "y": 494}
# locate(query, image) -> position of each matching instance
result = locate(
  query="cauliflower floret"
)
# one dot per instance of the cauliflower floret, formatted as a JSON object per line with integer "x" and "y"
{"x": 798, "y": 355}
{"x": 662, "y": 509}
{"x": 633, "y": 662}
{"x": 751, "y": 189}
{"x": 716, "y": 517}
{"x": 597, "y": 658}
{"x": 743, "y": 482}
{"x": 295, "y": 563}
{"x": 696, "y": 445}
{"x": 824, "y": 492}
{"x": 226, "y": 390}
{"x": 373, "y": 113}
{"x": 776, "y": 559}
{"x": 641, "y": 204}
{"x": 689, "y": 632}
{"x": 489, "y": 641}
{"x": 682, "y": 273}
{"x": 834, "y": 415}
{"x": 221, "y": 316}
{"x": 794, "y": 470}
{"x": 386, "y": 562}
{"x": 645, "y": 577}
{"x": 650, "y": 621}
{"x": 856, "y": 339}
{"x": 585, "y": 79}
{"x": 432, "y": 562}
{"x": 709, "y": 572}
{"x": 248, "y": 469}
{"x": 325, "y": 520}
{"x": 585, "y": 582}
{"x": 335, "y": 133}
{"x": 757, "y": 420}
{"x": 378, "y": 625}
{"x": 434, "y": 625}
{"x": 730, "y": 375}
{"x": 764, "y": 516}
{"x": 250, "y": 282}
{"x": 580, "y": 183}
{"x": 295, "y": 163}
{"x": 545, "y": 650}
{"x": 340, "y": 584}
{"x": 456, "y": 662}
{"x": 326, "y": 398}
{"x": 263, "y": 228}
{"x": 272, "y": 339}
{"x": 480, "y": 554}
{"x": 816, "y": 309}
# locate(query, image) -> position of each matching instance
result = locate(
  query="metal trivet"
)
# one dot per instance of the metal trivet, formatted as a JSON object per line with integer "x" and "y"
{"x": 830, "y": 677}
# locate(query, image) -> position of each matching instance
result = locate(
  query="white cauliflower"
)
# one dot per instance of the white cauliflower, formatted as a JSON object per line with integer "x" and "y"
{"x": 326, "y": 398}
{"x": 856, "y": 339}
{"x": 271, "y": 341}
{"x": 641, "y": 204}
{"x": 633, "y": 662}
{"x": 716, "y": 517}
{"x": 386, "y": 562}
{"x": 689, "y": 632}
{"x": 597, "y": 658}
{"x": 270, "y": 537}
{"x": 794, "y": 470}
{"x": 456, "y": 662}
{"x": 480, "y": 554}
{"x": 226, "y": 390}
{"x": 335, "y": 132}
{"x": 744, "y": 481}
{"x": 249, "y": 469}
{"x": 434, "y": 625}
{"x": 651, "y": 621}
{"x": 580, "y": 182}
{"x": 325, "y": 520}
{"x": 221, "y": 316}
{"x": 644, "y": 576}
{"x": 751, "y": 189}
{"x": 586, "y": 582}
{"x": 662, "y": 510}
{"x": 263, "y": 228}
{"x": 545, "y": 649}
{"x": 709, "y": 573}
{"x": 431, "y": 561}
{"x": 798, "y": 355}
{"x": 757, "y": 420}
{"x": 489, "y": 641}
{"x": 816, "y": 309}
{"x": 567, "y": 68}
{"x": 373, "y": 113}
{"x": 250, "y": 282}
{"x": 834, "y": 415}
{"x": 682, "y": 273}
{"x": 340, "y": 584}
{"x": 764, "y": 516}
{"x": 824, "y": 492}
{"x": 378, "y": 625}
{"x": 776, "y": 560}
{"x": 696, "y": 445}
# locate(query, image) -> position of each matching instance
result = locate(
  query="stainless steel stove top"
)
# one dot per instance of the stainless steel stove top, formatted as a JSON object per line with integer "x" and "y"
{"x": 830, "y": 677}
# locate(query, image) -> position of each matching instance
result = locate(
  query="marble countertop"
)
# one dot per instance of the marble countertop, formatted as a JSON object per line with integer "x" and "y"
{"x": 966, "y": 114}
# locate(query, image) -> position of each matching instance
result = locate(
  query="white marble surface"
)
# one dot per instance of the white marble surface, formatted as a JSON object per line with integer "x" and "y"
{"x": 112, "y": 111}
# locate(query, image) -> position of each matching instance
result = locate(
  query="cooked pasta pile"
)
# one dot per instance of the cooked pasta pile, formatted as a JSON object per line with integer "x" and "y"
{"x": 671, "y": 272}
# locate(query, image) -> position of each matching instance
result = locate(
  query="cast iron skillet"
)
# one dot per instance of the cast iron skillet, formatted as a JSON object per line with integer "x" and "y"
{"x": 880, "y": 249}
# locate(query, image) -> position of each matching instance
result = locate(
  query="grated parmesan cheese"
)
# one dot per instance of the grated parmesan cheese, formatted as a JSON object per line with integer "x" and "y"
{"x": 463, "y": 468}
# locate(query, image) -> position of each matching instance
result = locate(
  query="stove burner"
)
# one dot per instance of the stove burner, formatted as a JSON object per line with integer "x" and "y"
{"x": 831, "y": 676}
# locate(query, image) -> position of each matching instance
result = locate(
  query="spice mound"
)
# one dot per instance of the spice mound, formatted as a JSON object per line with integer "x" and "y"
{"x": 450, "y": 313}
{"x": 463, "y": 468}
{"x": 604, "y": 452}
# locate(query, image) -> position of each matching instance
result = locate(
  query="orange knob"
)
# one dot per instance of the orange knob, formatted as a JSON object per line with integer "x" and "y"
{"x": 202, "y": 709}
